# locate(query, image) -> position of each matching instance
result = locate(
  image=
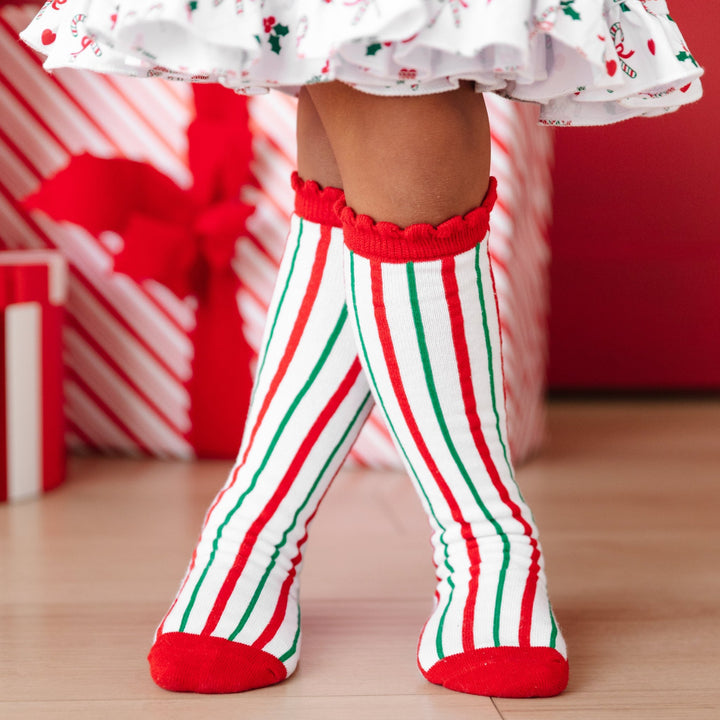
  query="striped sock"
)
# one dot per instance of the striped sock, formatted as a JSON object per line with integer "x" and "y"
{"x": 235, "y": 623}
{"x": 424, "y": 309}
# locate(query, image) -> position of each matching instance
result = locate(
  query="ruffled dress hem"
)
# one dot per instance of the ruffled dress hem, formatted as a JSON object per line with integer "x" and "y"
{"x": 584, "y": 62}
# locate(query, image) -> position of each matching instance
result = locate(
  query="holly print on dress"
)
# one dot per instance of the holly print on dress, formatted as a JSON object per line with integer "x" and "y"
{"x": 569, "y": 9}
{"x": 684, "y": 56}
{"x": 275, "y": 30}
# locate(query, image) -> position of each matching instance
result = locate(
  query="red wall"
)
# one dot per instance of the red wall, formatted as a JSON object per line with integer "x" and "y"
{"x": 636, "y": 241}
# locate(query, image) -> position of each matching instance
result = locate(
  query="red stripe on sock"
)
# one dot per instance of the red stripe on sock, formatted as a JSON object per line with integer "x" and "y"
{"x": 306, "y": 306}
{"x": 302, "y": 319}
{"x": 401, "y": 396}
{"x": 286, "y": 483}
{"x": 526, "y": 609}
{"x": 159, "y": 631}
{"x": 308, "y": 301}
{"x": 462, "y": 357}
{"x": 281, "y": 608}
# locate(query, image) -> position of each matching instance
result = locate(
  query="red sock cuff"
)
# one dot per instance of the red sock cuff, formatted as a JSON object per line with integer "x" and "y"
{"x": 314, "y": 203}
{"x": 387, "y": 242}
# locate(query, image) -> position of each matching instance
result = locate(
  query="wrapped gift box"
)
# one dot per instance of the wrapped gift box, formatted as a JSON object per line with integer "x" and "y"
{"x": 33, "y": 288}
{"x": 127, "y": 351}
{"x": 128, "y": 345}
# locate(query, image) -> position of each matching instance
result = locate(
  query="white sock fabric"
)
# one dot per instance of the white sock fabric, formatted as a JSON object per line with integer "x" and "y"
{"x": 237, "y": 609}
{"x": 426, "y": 319}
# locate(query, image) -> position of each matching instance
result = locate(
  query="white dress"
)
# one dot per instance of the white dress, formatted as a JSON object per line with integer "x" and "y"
{"x": 586, "y": 62}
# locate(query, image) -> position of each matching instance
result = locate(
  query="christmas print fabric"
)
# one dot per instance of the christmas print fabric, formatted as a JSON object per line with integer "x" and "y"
{"x": 586, "y": 62}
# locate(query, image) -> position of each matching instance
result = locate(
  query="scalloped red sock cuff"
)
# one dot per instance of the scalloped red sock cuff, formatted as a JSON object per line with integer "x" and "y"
{"x": 387, "y": 242}
{"x": 314, "y": 203}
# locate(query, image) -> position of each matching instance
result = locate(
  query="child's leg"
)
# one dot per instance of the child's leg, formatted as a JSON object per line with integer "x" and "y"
{"x": 234, "y": 624}
{"x": 423, "y": 303}
{"x": 408, "y": 160}
{"x": 315, "y": 157}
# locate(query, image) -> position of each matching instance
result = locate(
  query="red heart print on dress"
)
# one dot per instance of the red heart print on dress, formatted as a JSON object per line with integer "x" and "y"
{"x": 651, "y": 46}
{"x": 48, "y": 37}
{"x": 611, "y": 66}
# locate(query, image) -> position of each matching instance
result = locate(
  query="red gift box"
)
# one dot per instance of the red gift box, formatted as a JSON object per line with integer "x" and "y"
{"x": 33, "y": 289}
{"x": 133, "y": 381}
{"x": 141, "y": 178}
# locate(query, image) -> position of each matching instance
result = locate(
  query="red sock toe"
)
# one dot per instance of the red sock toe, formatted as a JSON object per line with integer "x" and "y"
{"x": 503, "y": 672}
{"x": 205, "y": 664}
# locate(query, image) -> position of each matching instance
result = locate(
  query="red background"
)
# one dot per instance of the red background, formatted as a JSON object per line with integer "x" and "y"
{"x": 636, "y": 241}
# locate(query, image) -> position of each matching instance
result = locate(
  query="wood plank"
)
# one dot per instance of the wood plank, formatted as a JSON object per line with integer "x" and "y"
{"x": 626, "y": 495}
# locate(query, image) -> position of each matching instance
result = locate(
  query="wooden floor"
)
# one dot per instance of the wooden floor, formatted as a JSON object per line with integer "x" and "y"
{"x": 627, "y": 496}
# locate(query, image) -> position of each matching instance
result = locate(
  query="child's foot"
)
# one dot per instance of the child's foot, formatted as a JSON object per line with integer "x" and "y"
{"x": 423, "y": 302}
{"x": 503, "y": 672}
{"x": 493, "y": 631}
{"x": 235, "y": 623}
{"x": 192, "y": 663}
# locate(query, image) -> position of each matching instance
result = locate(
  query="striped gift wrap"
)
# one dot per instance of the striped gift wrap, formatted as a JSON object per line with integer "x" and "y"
{"x": 126, "y": 346}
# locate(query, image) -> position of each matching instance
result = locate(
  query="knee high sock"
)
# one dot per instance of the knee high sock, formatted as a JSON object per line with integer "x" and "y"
{"x": 425, "y": 314}
{"x": 235, "y": 623}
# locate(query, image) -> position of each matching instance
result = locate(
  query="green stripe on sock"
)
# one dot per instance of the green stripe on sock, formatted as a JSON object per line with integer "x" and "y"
{"x": 286, "y": 419}
{"x": 293, "y": 647}
{"x": 441, "y": 535}
{"x": 488, "y": 345}
{"x": 554, "y": 632}
{"x": 435, "y": 400}
{"x": 283, "y": 540}
{"x": 261, "y": 363}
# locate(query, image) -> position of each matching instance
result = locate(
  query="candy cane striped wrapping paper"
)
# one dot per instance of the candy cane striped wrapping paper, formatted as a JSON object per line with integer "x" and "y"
{"x": 127, "y": 352}
{"x": 126, "y": 347}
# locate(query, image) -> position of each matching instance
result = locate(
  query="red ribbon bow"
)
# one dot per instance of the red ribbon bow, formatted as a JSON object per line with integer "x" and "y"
{"x": 184, "y": 239}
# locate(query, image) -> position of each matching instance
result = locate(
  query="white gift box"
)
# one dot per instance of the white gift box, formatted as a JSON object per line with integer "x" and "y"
{"x": 33, "y": 288}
